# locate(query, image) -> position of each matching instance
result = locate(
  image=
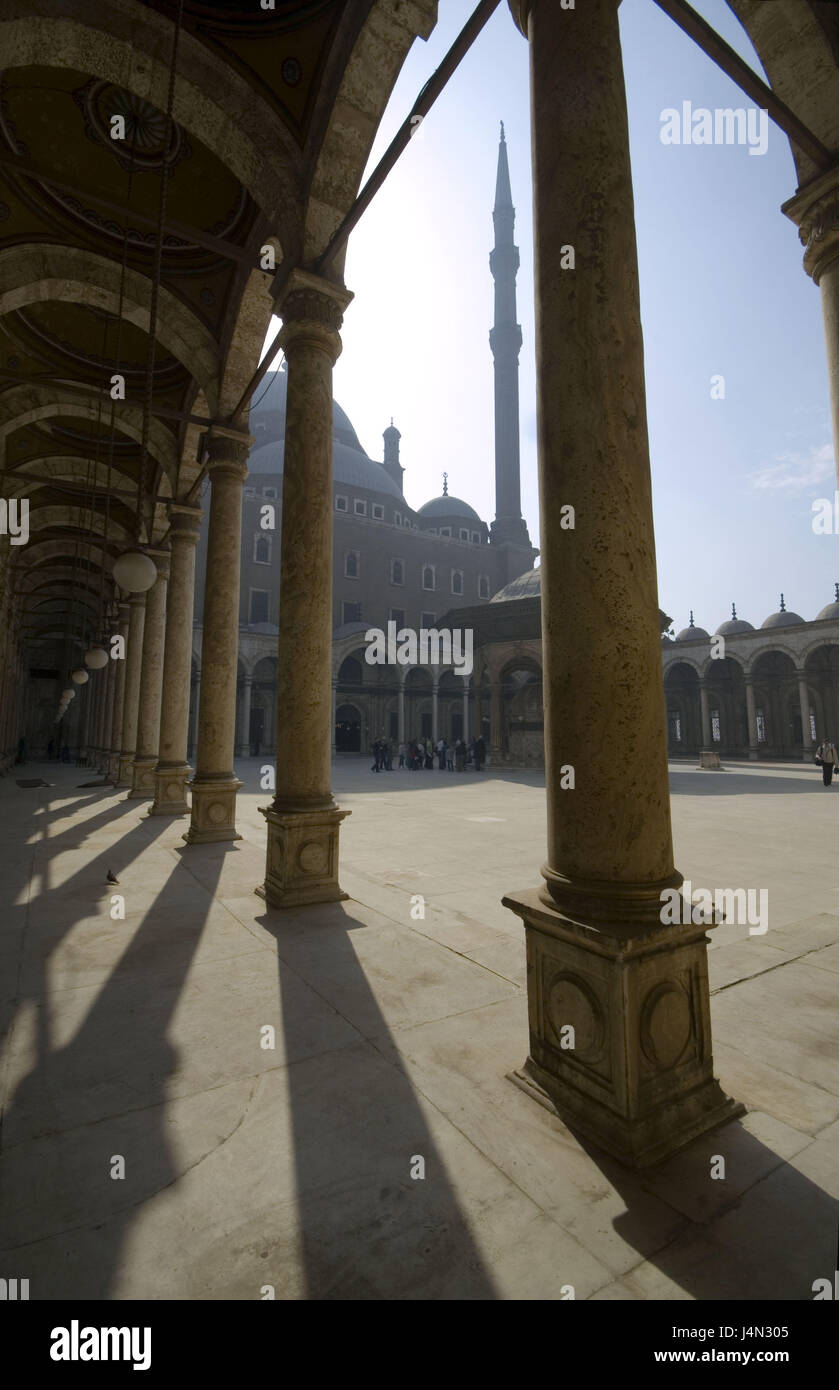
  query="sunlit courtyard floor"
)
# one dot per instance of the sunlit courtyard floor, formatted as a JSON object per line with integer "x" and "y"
{"x": 208, "y": 1100}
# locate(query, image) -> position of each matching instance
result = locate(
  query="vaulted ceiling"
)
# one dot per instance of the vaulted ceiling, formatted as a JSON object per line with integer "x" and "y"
{"x": 273, "y": 112}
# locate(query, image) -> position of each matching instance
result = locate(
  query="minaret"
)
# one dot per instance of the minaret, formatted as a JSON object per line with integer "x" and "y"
{"x": 392, "y": 465}
{"x": 505, "y": 341}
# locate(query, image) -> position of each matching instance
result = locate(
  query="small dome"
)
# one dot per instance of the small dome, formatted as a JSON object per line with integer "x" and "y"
{"x": 831, "y": 612}
{"x": 447, "y": 508}
{"x": 692, "y": 632}
{"x": 783, "y": 618}
{"x": 526, "y": 586}
{"x": 734, "y": 625}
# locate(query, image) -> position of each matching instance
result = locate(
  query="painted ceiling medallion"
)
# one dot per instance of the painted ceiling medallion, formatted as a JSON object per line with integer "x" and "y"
{"x": 146, "y": 128}
{"x": 291, "y": 72}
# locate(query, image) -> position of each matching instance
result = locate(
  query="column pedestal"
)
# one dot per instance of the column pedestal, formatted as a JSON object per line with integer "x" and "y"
{"x": 302, "y": 863}
{"x": 213, "y": 809}
{"x": 638, "y": 1080}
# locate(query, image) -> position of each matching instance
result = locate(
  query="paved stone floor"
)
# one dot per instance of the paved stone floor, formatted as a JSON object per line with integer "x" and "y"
{"x": 247, "y": 1166}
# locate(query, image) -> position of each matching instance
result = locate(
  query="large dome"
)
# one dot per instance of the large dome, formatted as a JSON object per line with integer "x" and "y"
{"x": 526, "y": 586}
{"x": 448, "y": 509}
{"x": 351, "y": 467}
{"x": 269, "y": 408}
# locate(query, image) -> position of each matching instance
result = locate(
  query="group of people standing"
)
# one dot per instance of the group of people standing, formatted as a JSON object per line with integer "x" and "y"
{"x": 421, "y": 752}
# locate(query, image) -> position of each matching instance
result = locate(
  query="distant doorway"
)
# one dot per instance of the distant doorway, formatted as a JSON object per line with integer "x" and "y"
{"x": 347, "y": 729}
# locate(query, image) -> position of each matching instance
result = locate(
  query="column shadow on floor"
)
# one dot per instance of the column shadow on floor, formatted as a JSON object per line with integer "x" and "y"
{"x": 368, "y": 1229}
{"x": 767, "y": 1242}
{"x": 101, "y": 1094}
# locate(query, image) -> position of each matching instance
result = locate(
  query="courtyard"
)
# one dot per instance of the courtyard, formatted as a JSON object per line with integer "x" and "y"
{"x": 207, "y": 1099}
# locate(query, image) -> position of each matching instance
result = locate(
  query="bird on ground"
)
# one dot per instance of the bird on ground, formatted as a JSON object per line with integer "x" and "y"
{"x": 112, "y": 878}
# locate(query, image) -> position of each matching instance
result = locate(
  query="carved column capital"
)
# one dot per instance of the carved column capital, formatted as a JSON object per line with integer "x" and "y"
{"x": 815, "y": 212}
{"x": 227, "y": 453}
{"x": 312, "y": 310}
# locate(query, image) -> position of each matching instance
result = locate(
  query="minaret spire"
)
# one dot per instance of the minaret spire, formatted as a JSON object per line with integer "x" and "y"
{"x": 505, "y": 342}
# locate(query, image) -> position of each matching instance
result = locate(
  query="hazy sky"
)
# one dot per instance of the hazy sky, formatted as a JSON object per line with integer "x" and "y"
{"x": 722, "y": 292}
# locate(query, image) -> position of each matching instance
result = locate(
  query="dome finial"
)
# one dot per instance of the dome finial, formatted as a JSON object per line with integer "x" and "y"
{"x": 690, "y": 624}
{"x": 836, "y": 593}
{"x": 783, "y": 605}
{"x": 733, "y": 611}
{"x": 445, "y": 484}
{"x": 502, "y": 132}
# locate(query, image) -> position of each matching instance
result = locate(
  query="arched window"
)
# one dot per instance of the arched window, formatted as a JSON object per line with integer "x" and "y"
{"x": 262, "y": 550}
{"x": 457, "y": 581}
{"x": 428, "y": 576}
{"x": 351, "y": 564}
{"x": 397, "y": 572}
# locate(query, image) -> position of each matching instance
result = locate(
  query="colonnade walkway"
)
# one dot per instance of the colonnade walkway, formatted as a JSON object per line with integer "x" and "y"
{"x": 141, "y": 1047}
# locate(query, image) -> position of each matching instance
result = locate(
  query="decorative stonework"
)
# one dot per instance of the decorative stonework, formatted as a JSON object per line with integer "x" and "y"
{"x": 142, "y": 778}
{"x": 312, "y": 308}
{"x": 170, "y": 798}
{"x": 213, "y": 810}
{"x": 638, "y": 1079}
{"x": 815, "y": 211}
{"x": 228, "y": 453}
{"x": 302, "y": 862}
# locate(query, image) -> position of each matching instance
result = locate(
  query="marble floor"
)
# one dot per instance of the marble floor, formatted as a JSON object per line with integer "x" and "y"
{"x": 203, "y": 1099}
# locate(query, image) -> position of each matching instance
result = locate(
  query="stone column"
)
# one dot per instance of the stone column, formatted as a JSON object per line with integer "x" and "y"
{"x": 334, "y": 715}
{"x": 402, "y": 738}
{"x": 303, "y": 820}
{"x": 151, "y": 683}
{"x": 496, "y": 747}
{"x": 602, "y": 955}
{"x": 133, "y": 669}
{"x": 804, "y": 701}
{"x": 195, "y": 698}
{"x": 707, "y": 731}
{"x": 100, "y": 678}
{"x": 435, "y": 687}
{"x": 119, "y": 697}
{"x": 751, "y": 716}
{"x": 110, "y": 700}
{"x": 244, "y": 748}
{"x": 173, "y": 770}
{"x": 815, "y": 211}
{"x": 215, "y": 783}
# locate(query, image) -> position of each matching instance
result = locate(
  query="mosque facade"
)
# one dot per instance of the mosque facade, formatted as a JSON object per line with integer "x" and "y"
{"x": 391, "y": 562}
{"x": 767, "y": 692}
